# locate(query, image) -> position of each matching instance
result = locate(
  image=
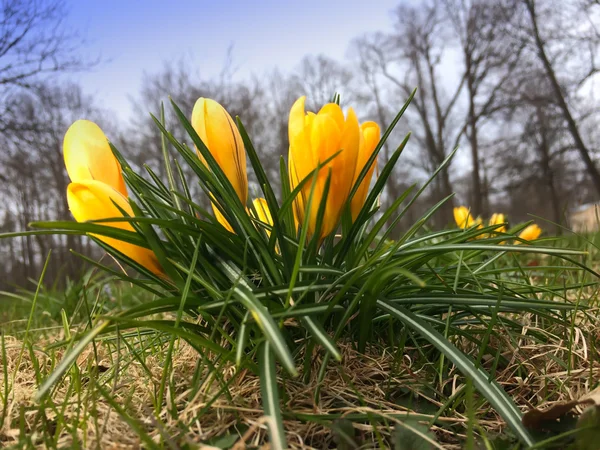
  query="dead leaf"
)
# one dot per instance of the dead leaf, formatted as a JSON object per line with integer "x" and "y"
{"x": 592, "y": 397}
{"x": 537, "y": 418}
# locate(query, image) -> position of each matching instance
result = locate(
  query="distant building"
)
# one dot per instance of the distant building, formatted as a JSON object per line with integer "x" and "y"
{"x": 585, "y": 218}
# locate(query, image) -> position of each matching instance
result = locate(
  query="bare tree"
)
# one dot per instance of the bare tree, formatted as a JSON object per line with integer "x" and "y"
{"x": 35, "y": 178}
{"x": 319, "y": 77}
{"x": 488, "y": 63}
{"x": 34, "y": 41}
{"x": 372, "y": 93}
{"x": 415, "y": 55}
{"x": 573, "y": 46}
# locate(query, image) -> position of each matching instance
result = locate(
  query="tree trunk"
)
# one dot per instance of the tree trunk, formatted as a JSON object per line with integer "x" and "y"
{"x": 562, "y": 103}
{"x": 445, "y": 189}
{"x": 548, "y": 172}
{"x": 477, "y": 203}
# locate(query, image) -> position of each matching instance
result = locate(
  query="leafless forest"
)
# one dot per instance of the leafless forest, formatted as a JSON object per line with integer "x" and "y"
{"x": 511, "y": 82}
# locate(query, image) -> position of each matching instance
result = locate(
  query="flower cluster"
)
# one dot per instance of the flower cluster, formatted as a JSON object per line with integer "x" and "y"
{"x": 334, "y": 143}
{"x": 464, "y": 220}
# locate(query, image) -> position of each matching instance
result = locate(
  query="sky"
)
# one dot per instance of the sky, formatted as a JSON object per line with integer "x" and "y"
{"x": 132, "y": 37}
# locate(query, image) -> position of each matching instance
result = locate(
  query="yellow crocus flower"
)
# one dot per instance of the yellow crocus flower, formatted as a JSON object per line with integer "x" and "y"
{"x": 95, "y": 200}
{"x": 221, "y": 136}
{"x": 463, "y": 218}
{"x": 370, "y": 135}
{"x": 313, "y": 139}
{"x": 497, "y": 219}
{"x": 88, "y": 156}
{"x": 531, "y": 233}
{"x": 97, "y": 181}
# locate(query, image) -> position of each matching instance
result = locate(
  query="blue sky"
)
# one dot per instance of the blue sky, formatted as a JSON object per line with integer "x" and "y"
{"x": 133, "y": 37}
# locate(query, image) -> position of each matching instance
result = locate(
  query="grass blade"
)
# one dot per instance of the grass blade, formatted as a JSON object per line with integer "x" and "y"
{"x": 270, "y": 397}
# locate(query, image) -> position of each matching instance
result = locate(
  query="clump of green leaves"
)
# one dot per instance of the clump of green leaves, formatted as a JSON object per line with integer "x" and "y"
{"x": 268, "y": 296}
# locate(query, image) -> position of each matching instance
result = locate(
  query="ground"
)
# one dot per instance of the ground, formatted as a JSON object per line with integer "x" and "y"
{"x": 109, "y": 398}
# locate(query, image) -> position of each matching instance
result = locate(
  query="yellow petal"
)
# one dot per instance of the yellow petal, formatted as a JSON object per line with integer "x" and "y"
{"x": 531, "y": 233}
{"x": 262, "y": 210}
{"x": 262, "y": 213}
{"x": 370, "y": 135}
{"x": 325, "y": 136}
{"x": 88, "y": 156}
{"x": 325, "y": 142}
{"x": 463, "y": 217}
{"x": 334, "y": 111}
{"x": 221, "y": 218}
{"x": 343, "y": 167}
{"x": 219, "y": 133}
{"x": 299, "y": 201}
{"x": 296, "y": 121}
{"x": 497, "y": 219}
{"x": 93, "y": 200}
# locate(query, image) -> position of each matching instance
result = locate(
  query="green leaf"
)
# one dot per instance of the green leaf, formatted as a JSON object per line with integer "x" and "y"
{"x": 344, "y": 434}
{"x": 489, "y": 389}
{"x": 68, "y": 360}
{"x": 270, "y": 397}
{"x": 589, "y": 429}
{"x": 265, "y": 321}
{"x": 321, "y": 336}
{"x": 412, "y": 435}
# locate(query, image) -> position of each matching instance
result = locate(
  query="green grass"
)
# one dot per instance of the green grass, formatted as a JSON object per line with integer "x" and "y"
{"x": 440, "y": 339}
{"x": 124, "y": 370}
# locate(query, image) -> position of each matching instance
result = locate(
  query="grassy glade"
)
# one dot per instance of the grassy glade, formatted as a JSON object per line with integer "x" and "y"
{"x": 271, "y": 299}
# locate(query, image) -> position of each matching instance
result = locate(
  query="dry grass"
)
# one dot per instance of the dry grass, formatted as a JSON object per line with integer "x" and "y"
{"x": 370, "y": 386}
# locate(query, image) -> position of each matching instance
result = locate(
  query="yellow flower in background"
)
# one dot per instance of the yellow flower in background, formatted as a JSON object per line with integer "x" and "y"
{"x": 97, "y": 181}
{"x": 531, "y": 233}
{"x": 93, "y": 200}
{"x": 497, "y": 219}
{"x": 370, "y": 135}
{"x": 463, "y": 218}
{"x": 220, "y": 134}
{"x": 88, "y": 156}
{"x": 313, "y": 139}
{"x": 262, "y": 212}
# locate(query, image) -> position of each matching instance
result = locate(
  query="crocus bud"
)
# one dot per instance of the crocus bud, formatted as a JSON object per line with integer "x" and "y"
{"x": 497, "y": 219}
{"x": 531, "y": 233}
{"x": 220, "y": 135}
{"x": 88, "y": 156}
{"x": 463, "y": 217}
{"x": 313, "y": 139}
{"x": 94, "y": 200}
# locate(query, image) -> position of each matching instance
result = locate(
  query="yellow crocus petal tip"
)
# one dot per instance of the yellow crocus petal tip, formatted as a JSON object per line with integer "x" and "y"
{"x": 297, "y": 118}
{"x": 334, "y": 111}
{"x": 531, "y": 233}
{"x": 463, "y": 217}
{"x": 88, "y": 156}
{"x": 498, "y": 219}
